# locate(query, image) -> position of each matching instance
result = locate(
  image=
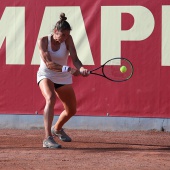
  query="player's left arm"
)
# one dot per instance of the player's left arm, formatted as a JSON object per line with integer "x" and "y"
{"x": 73, "y": 53}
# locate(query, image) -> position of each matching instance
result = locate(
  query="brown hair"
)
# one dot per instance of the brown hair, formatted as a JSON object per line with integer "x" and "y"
{"x": 62, "y": 24}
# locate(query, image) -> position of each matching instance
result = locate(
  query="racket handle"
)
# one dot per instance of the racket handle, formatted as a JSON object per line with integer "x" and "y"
{"x": 89, "y": 72}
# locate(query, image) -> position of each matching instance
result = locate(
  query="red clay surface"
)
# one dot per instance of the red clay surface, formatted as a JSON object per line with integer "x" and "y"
{"x": 89, "y": 150}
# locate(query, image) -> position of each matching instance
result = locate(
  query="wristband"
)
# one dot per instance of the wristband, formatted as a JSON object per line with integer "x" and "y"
{"x": 65, "y": 68}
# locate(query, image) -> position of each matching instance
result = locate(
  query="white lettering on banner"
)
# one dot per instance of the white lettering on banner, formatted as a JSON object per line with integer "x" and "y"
{"x": 12, "y": 27}
{"x": 51, "y": 15}
{"x": 111, "y": 33}
{"x": 165, "y": 36}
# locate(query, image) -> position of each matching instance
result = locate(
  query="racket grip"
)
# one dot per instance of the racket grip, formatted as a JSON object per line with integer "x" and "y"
{"x": 89, "y": 72}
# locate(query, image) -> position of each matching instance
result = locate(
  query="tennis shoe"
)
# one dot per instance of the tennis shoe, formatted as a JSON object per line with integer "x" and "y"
{"x": 50, "y": 143}
{"x": 60, "y": 134}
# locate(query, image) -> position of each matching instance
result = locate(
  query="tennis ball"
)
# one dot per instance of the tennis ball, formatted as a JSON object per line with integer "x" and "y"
{"x": 123, "y": 69}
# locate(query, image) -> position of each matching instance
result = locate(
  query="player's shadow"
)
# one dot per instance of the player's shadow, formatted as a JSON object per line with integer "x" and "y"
{"x": 97, "y": 149}
{"x": 117, "y": 143}
{"x": 126, "y": 147}
{"x": 88, "y": 149}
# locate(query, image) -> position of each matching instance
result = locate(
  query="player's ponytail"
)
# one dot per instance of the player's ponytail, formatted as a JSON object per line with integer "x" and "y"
{"x": 63, "y": 17}
{"x": 62, "y": 24}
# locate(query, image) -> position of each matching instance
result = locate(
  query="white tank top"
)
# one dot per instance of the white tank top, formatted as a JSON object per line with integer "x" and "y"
{"x": 60, "y": 57}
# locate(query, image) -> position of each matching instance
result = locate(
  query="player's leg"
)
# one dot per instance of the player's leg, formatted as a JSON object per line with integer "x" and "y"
{"x": 67, "y": 96}
{"x": 48, "y": 91}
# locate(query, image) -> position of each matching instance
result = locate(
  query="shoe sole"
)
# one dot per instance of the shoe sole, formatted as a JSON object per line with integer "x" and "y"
{"x": 54, "y": 135}
{"x": 45, "y": 146}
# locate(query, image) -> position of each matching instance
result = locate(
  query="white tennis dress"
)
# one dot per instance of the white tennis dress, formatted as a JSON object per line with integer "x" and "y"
{"x": 59, "y": 57}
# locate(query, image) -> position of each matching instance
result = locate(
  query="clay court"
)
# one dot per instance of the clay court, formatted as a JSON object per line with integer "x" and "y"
{"x": 93, "y": 150}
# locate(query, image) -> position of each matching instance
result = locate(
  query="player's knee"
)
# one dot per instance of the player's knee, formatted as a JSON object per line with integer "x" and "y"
{"x": 51, "y": 99}
{"x": 71, "y": 111}
{"x": 74, "y": 112}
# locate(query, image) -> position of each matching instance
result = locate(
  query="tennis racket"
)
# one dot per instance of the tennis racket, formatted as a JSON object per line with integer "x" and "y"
{"x": 115, "y": 69}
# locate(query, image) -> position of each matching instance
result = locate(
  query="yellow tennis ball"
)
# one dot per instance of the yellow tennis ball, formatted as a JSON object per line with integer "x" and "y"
{"x": 123, "y": 69}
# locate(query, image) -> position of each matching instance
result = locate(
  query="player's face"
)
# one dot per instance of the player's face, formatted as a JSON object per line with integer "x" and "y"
{"x": 61, "y": 36}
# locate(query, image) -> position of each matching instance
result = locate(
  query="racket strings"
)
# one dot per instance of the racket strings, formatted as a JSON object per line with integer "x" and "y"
{"x": 112, "y": 70}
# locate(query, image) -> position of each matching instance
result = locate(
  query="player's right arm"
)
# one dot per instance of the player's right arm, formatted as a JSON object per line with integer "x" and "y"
{"x": 43, "y": 49}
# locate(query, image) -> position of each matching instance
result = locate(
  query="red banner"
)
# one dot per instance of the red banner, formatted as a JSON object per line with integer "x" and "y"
{"x": 101, "y": 29}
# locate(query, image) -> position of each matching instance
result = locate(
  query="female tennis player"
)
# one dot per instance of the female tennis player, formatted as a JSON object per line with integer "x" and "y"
{"x": 54, "y": 78}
